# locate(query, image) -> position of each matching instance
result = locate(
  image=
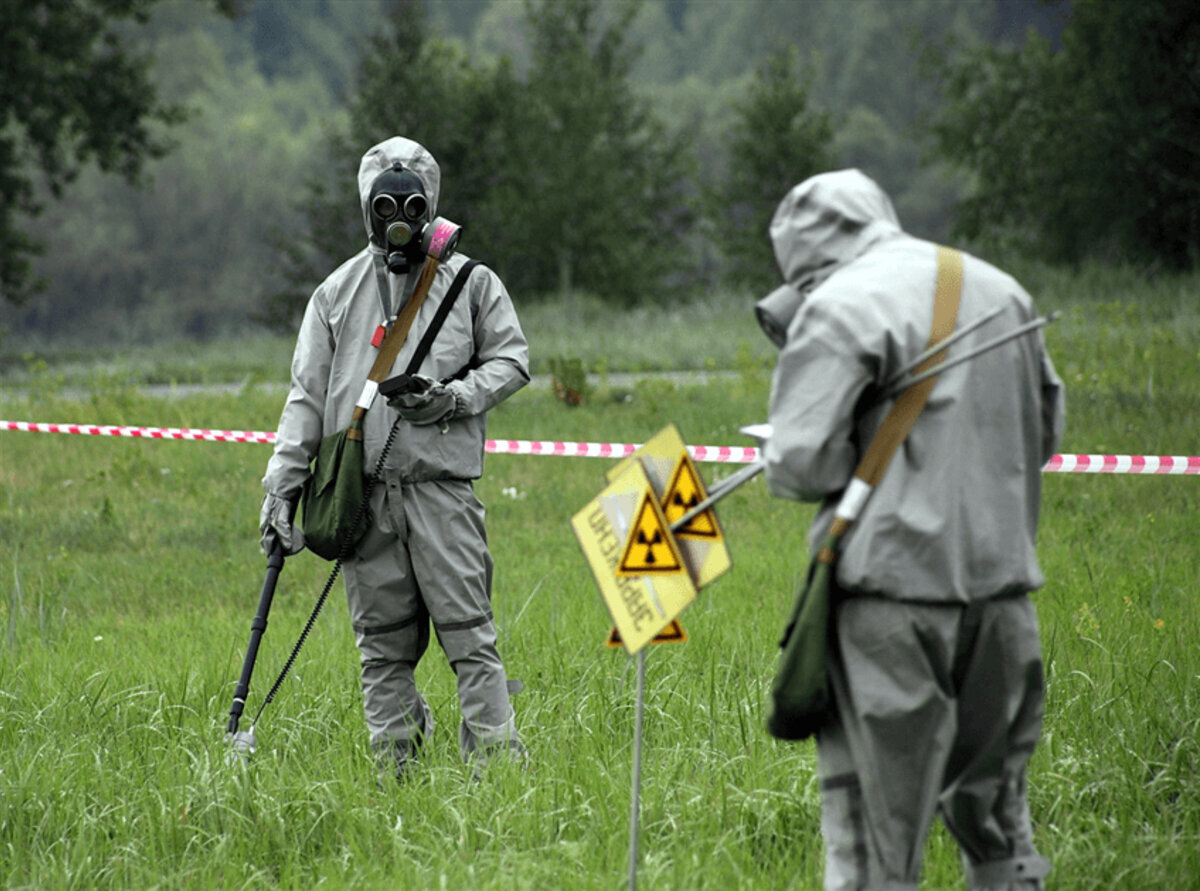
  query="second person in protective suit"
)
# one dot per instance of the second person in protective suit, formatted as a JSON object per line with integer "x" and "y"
{"x": 935, "y": 665}
{"x": 424, "y": 558}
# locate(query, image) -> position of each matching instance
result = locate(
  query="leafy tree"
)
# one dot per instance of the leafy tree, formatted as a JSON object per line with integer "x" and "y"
{"x": 1087, "y": 150}
{"x": 181, "y": 253}
{"x": 863, "y": 62}
{"x": 294, "y": 39}
{"x": 73, "y": 91}
{"x": 561, "y": 177}
{"x": 776, "y": 141}
{"x": 415, "y": 85}
{"x": 602, "y": 188}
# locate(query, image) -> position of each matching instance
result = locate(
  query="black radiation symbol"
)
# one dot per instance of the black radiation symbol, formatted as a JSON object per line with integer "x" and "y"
{"x": 686, "y": 503}
{"x": 649, "y": 543}
{"x": 651, "y": 535}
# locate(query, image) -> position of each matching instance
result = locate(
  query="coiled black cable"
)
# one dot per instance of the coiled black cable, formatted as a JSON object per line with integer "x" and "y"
{"x": 343, "y": 553}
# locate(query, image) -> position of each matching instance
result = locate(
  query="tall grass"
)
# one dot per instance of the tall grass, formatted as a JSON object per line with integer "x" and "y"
{"x": 130, "y": 571}
{"x": 715, "y": 332}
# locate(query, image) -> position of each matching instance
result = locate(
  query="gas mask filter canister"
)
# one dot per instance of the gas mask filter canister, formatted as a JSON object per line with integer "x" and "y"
{"x": 399, "y": 212}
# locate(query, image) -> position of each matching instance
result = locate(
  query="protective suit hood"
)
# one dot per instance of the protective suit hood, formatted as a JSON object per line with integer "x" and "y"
{"x": 380, "y": 158}
{"x": 821, "y": 225}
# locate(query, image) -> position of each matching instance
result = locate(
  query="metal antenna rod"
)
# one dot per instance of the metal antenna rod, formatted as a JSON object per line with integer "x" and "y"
{"x": 752, "y": 470}
{"x": 944, "y": 343}
{"x": 635, "y": 807}
{"x": 982, "y": 348}
{"x": 744, "y": 475}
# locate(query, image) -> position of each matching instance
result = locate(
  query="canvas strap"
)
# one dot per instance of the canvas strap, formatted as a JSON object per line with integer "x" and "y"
{"x": 390, "y": 347}
{"x": 903, "y": 413}
{"x": 439, "y": 317}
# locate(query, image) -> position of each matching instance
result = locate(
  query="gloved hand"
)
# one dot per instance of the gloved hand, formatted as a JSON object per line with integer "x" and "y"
{"x": 275, "y": 524}
{"x": 429, "y": 402}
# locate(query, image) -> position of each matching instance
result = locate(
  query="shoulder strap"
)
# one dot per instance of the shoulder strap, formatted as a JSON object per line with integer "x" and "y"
{"x": 390, "y": 348}
{"x": 382, "y": 286}
{"x": 903, "y": 414}
{"x": 439, "y": 319}
{"x": 904, "y": 411}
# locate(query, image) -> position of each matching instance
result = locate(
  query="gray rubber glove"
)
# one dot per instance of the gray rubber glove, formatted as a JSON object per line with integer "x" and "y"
{"x": 430, "y": 403}
{"x": 275, "y": 524}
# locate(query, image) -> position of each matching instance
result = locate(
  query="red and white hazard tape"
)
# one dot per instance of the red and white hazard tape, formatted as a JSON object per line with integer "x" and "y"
{"x": 1122, "y": 464}
{"x": 1143, "y": 464}
{"x": 723, "y": 454}
{"x": 142, "y": 432}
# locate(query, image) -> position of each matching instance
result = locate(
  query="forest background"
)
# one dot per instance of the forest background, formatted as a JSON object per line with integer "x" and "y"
{"x": 632, "y": 151}
{"x": 1060, "y": 139}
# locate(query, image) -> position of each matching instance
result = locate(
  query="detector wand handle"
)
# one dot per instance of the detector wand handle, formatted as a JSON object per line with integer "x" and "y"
{"x": 747, "y": 473}
{"x": 750, "y": 471}
{"x": 946, "y": 343}
{"x": 982, "y": 348}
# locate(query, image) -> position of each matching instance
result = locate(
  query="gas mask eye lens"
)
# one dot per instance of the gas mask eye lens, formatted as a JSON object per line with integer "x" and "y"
{"x": 384, "y": 207}
{"x": 415, "y": 207}
{"x": 399, "y": 234}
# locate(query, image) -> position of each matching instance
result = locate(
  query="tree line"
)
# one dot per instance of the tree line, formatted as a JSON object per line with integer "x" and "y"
{"x": 633, "y": 150}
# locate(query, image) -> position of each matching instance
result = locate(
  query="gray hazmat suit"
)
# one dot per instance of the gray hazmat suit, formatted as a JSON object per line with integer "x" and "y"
{"x": 425, "y": 555}
{"x": 936, "y": 669}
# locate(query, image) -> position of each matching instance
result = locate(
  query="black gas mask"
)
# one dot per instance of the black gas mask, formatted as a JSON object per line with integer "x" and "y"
{"x": 400, "y": 224}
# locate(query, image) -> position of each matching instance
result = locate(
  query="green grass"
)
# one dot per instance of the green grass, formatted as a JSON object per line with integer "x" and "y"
{"x": 718, "y": 332}
{"x": 130, "y": 571}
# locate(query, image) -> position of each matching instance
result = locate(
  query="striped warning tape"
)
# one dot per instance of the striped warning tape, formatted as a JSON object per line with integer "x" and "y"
{"x": 142, "y": 432}
{"x": 1143, "y": 464}
{"x": 723, "y": 454}
{"x": 1123, "y": 464}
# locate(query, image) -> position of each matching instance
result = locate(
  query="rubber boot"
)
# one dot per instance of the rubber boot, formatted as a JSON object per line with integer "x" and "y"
{"x": 399, "y": 757}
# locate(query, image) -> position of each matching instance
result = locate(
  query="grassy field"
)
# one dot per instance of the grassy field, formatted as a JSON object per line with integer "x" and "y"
{"x": 130, "y": 571}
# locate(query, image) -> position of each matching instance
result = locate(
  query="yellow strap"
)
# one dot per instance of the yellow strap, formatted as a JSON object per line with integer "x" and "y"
{"x": 904, "y": 411}
{"x": 390, "y": 348}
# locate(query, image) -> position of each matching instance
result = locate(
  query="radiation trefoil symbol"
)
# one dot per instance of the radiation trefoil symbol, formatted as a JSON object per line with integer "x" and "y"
{"x": 650, "y": 549}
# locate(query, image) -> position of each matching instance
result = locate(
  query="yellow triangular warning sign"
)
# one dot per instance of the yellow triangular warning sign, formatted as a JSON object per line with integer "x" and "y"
{"x": 673, "y": 633}
{"x": 650, "y": 548}
{"x": 683, "y": 493}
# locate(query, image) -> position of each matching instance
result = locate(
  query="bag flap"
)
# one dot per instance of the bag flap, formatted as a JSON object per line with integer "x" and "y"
{"x": 325, "y": 465}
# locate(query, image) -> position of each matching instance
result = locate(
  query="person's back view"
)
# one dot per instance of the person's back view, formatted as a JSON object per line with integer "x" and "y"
{"x": 935, "y": 670}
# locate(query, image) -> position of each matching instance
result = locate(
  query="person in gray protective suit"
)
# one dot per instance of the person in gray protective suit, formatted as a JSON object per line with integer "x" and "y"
{"x": 935, "y": 666}
{"x": 425, "y": 556}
